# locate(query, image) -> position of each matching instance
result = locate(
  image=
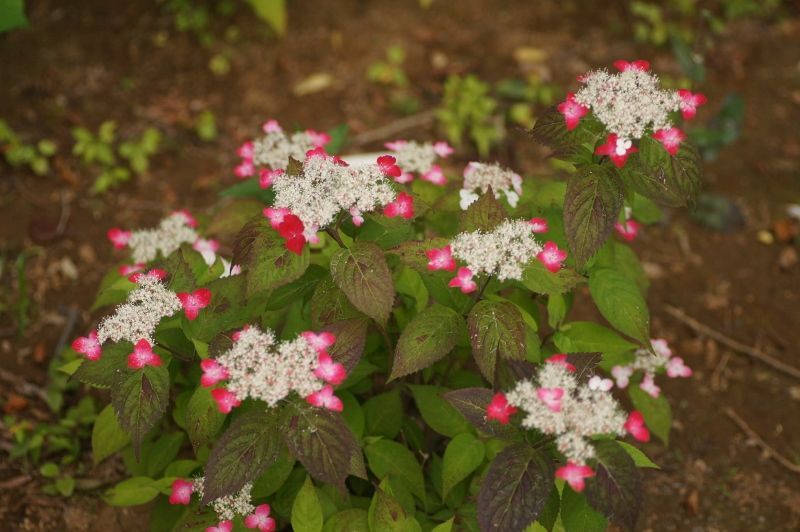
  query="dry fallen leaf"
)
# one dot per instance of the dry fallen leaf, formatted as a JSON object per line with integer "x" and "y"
{"x": 317, "y": 82}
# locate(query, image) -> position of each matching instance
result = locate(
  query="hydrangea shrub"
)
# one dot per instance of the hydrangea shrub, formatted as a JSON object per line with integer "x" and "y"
{"x": 384, "y": 349}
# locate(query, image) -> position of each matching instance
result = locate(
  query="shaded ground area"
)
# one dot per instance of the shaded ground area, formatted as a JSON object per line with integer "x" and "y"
{"x": 80, "y": 65}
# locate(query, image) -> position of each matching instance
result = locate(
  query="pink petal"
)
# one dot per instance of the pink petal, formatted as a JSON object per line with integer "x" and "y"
{"x": 636, "y": 427}
{"x": 442, "y": 149}
{"x": 499, "y": 409}
{"x": 271, "y": 126}
{"x": 435, "y": 175}
{"x": 225, "y": 399}
{"x": 181, "y": 491}
{"x": 561, "y": 360}
{"x": 118, "y": 237}
{"x": 538, "y": 225}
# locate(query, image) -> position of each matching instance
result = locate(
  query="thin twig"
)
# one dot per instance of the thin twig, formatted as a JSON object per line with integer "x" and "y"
{"x": 731, "y": 343}
{"x": 22, "y": 386}
{"x": 66, "y": 332}
{"x": 775, "y": 455}
{"x": 335, "y": 235}
{"x": 383, "y": 133}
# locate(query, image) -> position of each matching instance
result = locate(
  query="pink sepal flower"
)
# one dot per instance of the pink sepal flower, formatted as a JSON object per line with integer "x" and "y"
{"x": 441, "y": 259}
{"x": 639, "y": 65}
{"x": 267, "y": 177}
{"x": 464, "y": 281}
{"x": 88, "y": 346}
{"x": 235, "y": 336}
{"x": 661, "y": 347}
{"x": 260, "y": 519}
{"x": 213, "y": 372}
{"x": 561, "y": 360}
{"x": 539, "y": 225}
{"x": 622, "y": 374}
{"x": 206, "y": 247}
{"x": 128, "y": 269}
{"x": 293, "y": 232}
{"x": 193, "y": 302}
{"x": 118, "y": 237}
{"x": 388, "y": 165}
{"x": 328, "y": 370}
{"x": 575, "y": 475}
{"x": 155, "y": 273}
{"x": 225, "y": 399}
{"x": 319, "y": 139}
{"x": 499, "y": 409}
{"x": 552, "y": 257}
{"x": 181, "y": 491}
{"x": 275, "y": 215}
{"x": 396, "y": 145}
{"x": 245, "y": 151}
{"x": 628, "y": 230}
{"x": 143, "y": 355}
{"x": 636, "y": 427}
{"x": 222, "y": 526}
{"x": 676, "y": 368}
{"x": 551, "y": 397}
{"x": 324, "y": 398}
{"x": 616, "y": 149}
{"x": 434, "y": 175}
{"x": 188, "y": 219}
{"x": 649, "y": 386}
{"x": 271, "y": 126}
{"x": 319, "y": 341}
{"x": 357, "y": 217}
{"x": 572, "y": 111}
{"x": 690, "y": 102}
{"x": 670, "y": 138}
{"x": 402, "y": 206}
{"x": 405, "y": 177}
{"x": 442, "y": 149}
{"x": 599, "y": 384}
{"x": 244, "y": 169}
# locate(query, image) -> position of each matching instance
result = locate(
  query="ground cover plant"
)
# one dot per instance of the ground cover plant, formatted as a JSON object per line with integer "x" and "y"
{"x": 386, "y": 348}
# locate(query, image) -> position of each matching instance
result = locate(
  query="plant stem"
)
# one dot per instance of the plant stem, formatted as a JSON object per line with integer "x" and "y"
{"x": 479, "y": 294}
{"x": 335, "y": 235}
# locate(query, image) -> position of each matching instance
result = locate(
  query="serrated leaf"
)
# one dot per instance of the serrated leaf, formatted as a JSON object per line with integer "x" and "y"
{"x": 637, "y": 455}
{"x": 427, "y": 338}
{"x": 386, "y": 514}
{"x": 187, "y": 269}
{"x": 234, "y": 215}
{"x": 132, "y": 492}
{"x": 550, "y": 130}
{"x": 203, "y": 418}
{"x": 496, "y": 329}
{"x": 412, "y": 253}
{"x": 472, "y": 403}
{"x": 484, "y": 214}
{"x": 389, "y": 458}
{"x": 322, "y": 442}
{"x": 385, "y": 232}
{"x": 107, "y": 435}
{"x": 249, "y": 445}
{"x": 350, "y": 520}
{"x": 330, "y": 305}
{"x": 298, "y": 290}
{"x": 384, "y": 414}
{"x": 663, "y": 178}
{"x": 586, "y": 336}
{"x": 462, "y": 456}
{"x": 616, "y": 489}
{"x": 351, "y": 337}
{"x": 620, "y": 302}
{"x": 140, "y": 399}
{"x": 105, "y": 372}
{"x": 274, "y": 475}
{"x": 362, "y": 274}
{"x": 230, "y": 308}
{"x": 578, "y": 516}
{"x": 306, "y": 510}
{"x": 656, "y": 411}
{"x": 539, "y": 279}
{"x": 437, "y": 412}
{"x": 591, "y": 207}
{"x": 515, "y": 489}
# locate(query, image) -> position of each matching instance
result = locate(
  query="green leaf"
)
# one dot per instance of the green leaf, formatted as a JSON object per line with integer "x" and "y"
{"x": 362, "y": 274}
{"x": 484, "y": 214}
{"x": 140, "y": 399}
{"x": 639, "y": 458}
{"x": 539, "y": 279}
{"x": 384, "y": 414}
{"x": 273, "y": 476}
{"x": 447, "y": 526}
{"x": 245, "y": 450}
{"x": 350, "y": 520}
{"x": 338, "y": 136}
{"x": 351, "y": 337}
{"x": 426, "y": 339}
{"x": 114, "y": 292}
{"x": 306, "y": 510}
{"x": 230, "y": 308}
{"x": 589, "y": 337}
{"x": 330, "y": 305}
{"x": 550, "y": 130}
{"x": 616, "y": 489}
{"x": 322, "y": 442}
{"x": 515, "y": 489}
{"x": 12, "y": 15}
{"x": 107, "y": 435}
{"x": 385, "y": 232}
{"x": 132, "y": 492}
{"x": 267, "y": 264}
{"x": 234, "y": 215}
{"x": 663, "y": 178}
{"x": 249, "y": 188}
{"x": 273, "y": 12}
{"x": 203, "y": 418}
{"x": 591, "y": 207}
{"x": 472, "y": 404}
{"x": 162, "y": 453}
{"x": 104, "y": 373}
{"x": 496, "y": 329}
{"x": 389, "y": 458}
{"x": 386, "y": 515}
{"x": 439, "y": 414}
{"x": 462, "y": 456}
{"x": 49, "y": 470}
{"x": 578, "y": 516}
{"x": 656, "y": 412}
{"x": 621, "y": 303}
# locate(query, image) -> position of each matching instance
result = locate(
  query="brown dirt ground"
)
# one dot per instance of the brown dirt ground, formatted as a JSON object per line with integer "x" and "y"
{"x": 83, "y": 63}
